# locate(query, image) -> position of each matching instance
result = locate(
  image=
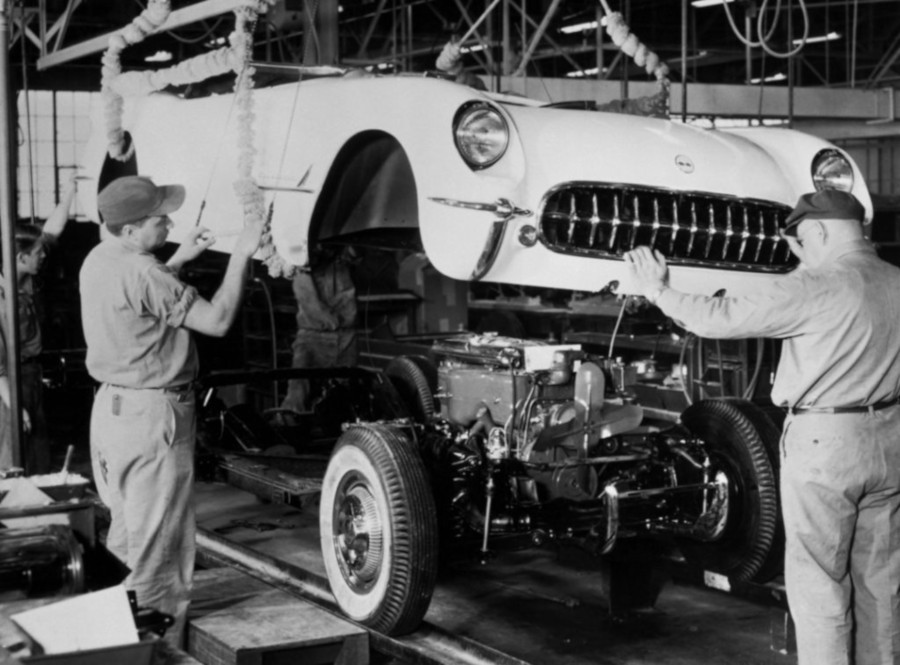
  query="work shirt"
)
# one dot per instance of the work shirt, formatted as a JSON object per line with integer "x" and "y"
{"x": 132, "y": 310}
{"x": 30, "y": 341}
{"x": 30, "y": 344}
{"x": 326, "y": 298}
{"x": 840, "y": 323}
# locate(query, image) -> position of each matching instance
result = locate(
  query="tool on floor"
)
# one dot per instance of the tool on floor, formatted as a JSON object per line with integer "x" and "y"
{"x": 65, "y": 469}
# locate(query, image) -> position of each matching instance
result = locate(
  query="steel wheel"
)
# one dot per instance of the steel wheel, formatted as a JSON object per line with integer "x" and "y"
{"x": 378, "y": 529}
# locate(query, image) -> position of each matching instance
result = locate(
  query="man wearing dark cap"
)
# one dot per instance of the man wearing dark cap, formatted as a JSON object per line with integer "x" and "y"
{"x": 838, "y": 377}
{"x": 138, "y": 319}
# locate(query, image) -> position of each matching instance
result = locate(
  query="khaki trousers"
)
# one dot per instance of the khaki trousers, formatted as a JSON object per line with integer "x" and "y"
{"x": 318, "y": 348}
{"x": 142, "y": 453}
{"x": 36, "y": 455}
{"x": 840, "y": 495}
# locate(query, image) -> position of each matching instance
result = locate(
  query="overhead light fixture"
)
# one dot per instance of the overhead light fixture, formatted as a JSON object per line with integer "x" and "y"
{"x": 699, "y": 55}
{"x": 159, "y": 56}
{"x": 709, "y": 3}
{"x": 830, "y": 37}
{"x": 581, "y": 73}
{"x": 579, "y": 27}
{"x": 774, "y": 78}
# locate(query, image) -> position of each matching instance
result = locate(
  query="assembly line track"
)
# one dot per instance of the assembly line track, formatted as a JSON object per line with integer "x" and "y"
{"x": 429, "y": 645}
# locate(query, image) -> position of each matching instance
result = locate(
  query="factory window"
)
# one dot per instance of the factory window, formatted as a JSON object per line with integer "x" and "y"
{"x": 53, "y": 127}
{"x": 878, "y": 158}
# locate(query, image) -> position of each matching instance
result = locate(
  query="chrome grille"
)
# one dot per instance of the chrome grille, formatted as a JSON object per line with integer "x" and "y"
{"x": 689, "y": 228}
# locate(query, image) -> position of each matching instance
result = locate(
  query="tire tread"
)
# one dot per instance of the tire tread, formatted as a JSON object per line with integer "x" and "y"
{"x": 414, "y": 543}
{"x": 416, "y": 385}
{"x": 707, "y": 416}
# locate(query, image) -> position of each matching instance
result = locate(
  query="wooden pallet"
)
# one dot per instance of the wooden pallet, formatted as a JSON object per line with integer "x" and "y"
{"x": 238, "y": 620}
{"x": 261, "y": 477}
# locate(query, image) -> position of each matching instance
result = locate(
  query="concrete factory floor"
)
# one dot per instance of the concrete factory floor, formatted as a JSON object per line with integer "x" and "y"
{"x": 538, "y": 605}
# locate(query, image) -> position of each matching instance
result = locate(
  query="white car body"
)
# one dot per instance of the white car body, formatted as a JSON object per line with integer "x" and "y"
{"x": 353, "y": 154}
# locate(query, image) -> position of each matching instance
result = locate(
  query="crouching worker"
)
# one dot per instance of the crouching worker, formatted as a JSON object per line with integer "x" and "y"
{"x": 138, "y": 320}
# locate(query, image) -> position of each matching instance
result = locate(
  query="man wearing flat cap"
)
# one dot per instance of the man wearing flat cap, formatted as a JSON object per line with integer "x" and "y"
{"x": 138, "y": 320}
{"x": 838, "y": 377}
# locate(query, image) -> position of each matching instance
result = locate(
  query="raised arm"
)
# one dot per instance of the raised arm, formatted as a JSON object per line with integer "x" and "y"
{"x": 772, "y": 313}
{"x": 215, "y": 316}
{"x": 197, "y": 241}
{"x": 56, "y": 222}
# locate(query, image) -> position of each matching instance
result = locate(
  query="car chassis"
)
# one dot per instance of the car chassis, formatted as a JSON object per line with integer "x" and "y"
{"x": 492, "y": 441}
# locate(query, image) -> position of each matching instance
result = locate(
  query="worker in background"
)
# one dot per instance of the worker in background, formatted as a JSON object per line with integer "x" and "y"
{"x": 839, "y": 379}
{"x": 32, "y": 242}
{"x": 138, "y": 320}
{"x": 450, "y": 61}
{"x": 326, "y": 321}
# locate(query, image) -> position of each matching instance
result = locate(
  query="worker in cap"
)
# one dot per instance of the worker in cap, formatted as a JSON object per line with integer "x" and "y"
{"x": 139, "y": 319}
{"x": 826, "y": 204}
{"x": 32, "y": 243}
{"x": 838, "y": 381}
{"x": 133, "y": 198}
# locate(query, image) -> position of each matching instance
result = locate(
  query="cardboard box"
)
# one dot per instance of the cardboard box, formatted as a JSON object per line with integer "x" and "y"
{"x": 142, "y": 653}
{"x": 91, "y": 628}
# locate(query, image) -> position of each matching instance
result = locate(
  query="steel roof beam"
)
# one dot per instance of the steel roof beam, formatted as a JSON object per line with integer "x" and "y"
{"x": 718, "y": 100}
{"x": 178, "y": 18}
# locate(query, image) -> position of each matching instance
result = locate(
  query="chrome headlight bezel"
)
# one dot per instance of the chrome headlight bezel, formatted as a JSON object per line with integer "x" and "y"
{"x": 481, "y": 134}
{"x": 831, "y": 169}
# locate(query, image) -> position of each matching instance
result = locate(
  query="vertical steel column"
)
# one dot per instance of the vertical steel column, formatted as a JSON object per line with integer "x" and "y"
{"x": 57, "y": 186}
{"x": 506, "y": 67}
{"x": 409, "y": 37}
{"x": 328, "y": 32}
{"x": 320, "y": 33}
{"x": 394, "y": 43}
{"x": 523, "y": 15}
{"x": 32, "y": 208}
{"x": 42, "y": 25}
{"x": 489, "y": 37}
{"x": 790, "y": 63}
{"x": 827, "y": 42}
{"x": 626, "y": 60}
{"x": 310, "y": 38}
{"x": 7, "y": 234}
{"x": 748, "y": 34}
{"x": 598, "y": 36}
{"x": 684, "y": 50}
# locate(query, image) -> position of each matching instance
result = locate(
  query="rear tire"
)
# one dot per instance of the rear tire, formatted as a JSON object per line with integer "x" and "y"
{"x": 415, "y": 379}
{"x": 737, "y": 444}
{"x": 378, "y": 529}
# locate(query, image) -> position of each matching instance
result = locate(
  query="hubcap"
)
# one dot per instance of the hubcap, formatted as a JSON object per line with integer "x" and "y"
{"x": 358, "y": 535}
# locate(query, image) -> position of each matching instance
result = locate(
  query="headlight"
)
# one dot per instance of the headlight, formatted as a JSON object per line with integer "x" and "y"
{"x": 831, "y": 170}
{"x": 481, "y": 134}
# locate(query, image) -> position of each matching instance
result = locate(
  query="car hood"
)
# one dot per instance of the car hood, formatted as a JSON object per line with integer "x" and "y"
{"x": 572, "y": 145}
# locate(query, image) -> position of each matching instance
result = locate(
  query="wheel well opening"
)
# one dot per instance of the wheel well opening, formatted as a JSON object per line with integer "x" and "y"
{"x": 369, "y": 197}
